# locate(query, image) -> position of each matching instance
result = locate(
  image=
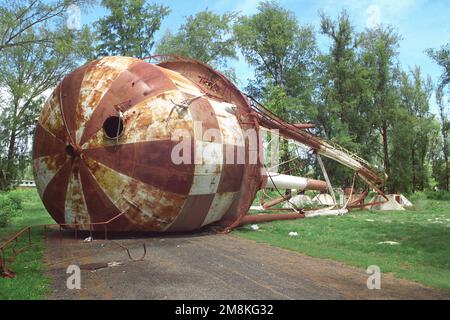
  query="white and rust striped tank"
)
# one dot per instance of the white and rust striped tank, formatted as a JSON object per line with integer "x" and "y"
{"x": 106, "y": 139}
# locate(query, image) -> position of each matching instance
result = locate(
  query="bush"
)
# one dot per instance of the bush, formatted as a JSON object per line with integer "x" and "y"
{"x": 438, "y": 195}
{"x": 429, "y": 195}
{"x": 10, "y": 205}
{"x": 416, "y": 196}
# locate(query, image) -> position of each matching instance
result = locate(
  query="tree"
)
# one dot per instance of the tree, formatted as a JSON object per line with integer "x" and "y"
{"x": 27, "y": 72}
{"x": 130, "y": 28}
{"x": 19, "y": 17}
{"x": 342, "y": 117}
{"x": 411, "y": 144}
{"x": 282, "y": 53}
{"x": 442, "y": 58}
{"x": 274, "y": 43}
{"x": 445, "y": 128}
{"x": 337, "y": 77}
{"x": 206, "y": 37}
{"x": 379, "y": 54}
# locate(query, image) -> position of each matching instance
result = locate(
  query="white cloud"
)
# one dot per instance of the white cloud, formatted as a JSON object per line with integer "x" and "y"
{"x": 374, "y": 16}
{"x": 248, "y": 6}
{"x": 397, "y": 6}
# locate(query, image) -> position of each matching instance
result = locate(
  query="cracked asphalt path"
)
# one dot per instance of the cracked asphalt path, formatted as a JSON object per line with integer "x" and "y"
{"x": 210, "y": 266}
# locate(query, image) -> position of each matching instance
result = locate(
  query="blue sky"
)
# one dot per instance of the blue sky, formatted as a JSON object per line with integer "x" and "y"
{"x": 422, "y": 23}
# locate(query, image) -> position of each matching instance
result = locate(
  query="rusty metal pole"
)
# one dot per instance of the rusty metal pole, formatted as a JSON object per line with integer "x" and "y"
{"x": 3, "y": 267}
{"x": 267, "y": 217}
{"x": 2, "y": 260}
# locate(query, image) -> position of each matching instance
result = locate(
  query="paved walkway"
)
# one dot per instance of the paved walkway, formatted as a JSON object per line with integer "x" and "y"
{"x": 211, "y": 266}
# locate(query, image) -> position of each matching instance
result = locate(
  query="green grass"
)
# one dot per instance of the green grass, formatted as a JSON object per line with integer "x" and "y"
{"x": 423, "y": 232}
{"x": 30, "y": 281}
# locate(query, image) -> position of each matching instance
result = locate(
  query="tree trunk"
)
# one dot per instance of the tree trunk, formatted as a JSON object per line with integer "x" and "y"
{"x": 413, "y": 162}
{"x": 445, "y": 147}
{"x": 2, "y": 179}
{"x": 385, "y": 148}
{"x": 10, "y": 157}
{"x": 422, "y": 166}
{"x": 285, "y": 167}
{"x": 446, "y": 174}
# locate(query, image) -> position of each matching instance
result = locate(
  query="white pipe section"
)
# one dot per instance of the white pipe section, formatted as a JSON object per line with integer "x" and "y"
{"x": 284, "y": 181}
{"x": 335, "y": 212}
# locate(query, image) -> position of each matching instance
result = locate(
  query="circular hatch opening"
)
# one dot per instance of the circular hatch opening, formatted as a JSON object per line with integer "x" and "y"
{"x": 70, "y": 151}
{"x": 113, "y": 127}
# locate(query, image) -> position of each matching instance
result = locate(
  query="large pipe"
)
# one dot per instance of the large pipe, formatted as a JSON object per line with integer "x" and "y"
{"x": 284, "y": 181}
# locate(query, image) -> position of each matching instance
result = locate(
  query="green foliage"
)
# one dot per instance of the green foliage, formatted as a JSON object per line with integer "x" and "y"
{"x": 417, "y": 196}
{"x": 130, "y": 28}
{"x": 32, "y": 62}
{"x": 442, "y": 195}
{"x": 282, "y": 53}
{"x": 441, "y": 171}
{"x": 344, "y": 89}
{"x": 206, "y": 37}
{"x": 412, "y": 133}
{"x": 31, "y": 281}
{"x": 355, "y": 93}
{"x": 442, "y": 58}
{"x": 10, "y": 206}
{"x": 19, "y": 17}
{"x": 273, "y": 42}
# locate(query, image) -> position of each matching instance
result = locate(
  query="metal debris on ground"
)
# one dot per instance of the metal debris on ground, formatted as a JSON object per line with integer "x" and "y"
{"x": 392, "y": 243}
{"x": 114, "y": 264}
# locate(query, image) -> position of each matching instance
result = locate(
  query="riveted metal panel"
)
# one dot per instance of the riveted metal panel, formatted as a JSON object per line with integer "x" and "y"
{"x": 83, "y": 176}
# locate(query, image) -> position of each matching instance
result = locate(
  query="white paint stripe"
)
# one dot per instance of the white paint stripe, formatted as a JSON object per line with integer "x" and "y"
{"x": 231, "y": 134}
{"x": 43, "y": 173}
{"x": 96, "y": 82}
{"x": 208, "y": 168}
{"x": 181, "y": 82}
{"x": 51, "y": 116}
{"x": 75, "y": 210}
{"x": 229, "y": 126}
{"x": 219, "y": 206}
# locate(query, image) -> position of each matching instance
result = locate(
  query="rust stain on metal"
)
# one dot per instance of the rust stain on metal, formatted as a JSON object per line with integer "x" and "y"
{"x": 85, "y": 176}
{"x": 104, "y": 141}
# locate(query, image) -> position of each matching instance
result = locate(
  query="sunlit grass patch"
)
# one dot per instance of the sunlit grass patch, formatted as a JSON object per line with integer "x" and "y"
{"x": 30, "y": 281}
{"x": 420, "y": 248}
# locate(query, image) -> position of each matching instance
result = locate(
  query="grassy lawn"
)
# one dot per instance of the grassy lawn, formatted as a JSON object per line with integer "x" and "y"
{"x": 423, "y": 234}
{"x": 30, "y": 282}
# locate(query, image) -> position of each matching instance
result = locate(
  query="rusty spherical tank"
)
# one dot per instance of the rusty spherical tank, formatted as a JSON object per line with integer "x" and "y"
{"x": 105, "y": 142}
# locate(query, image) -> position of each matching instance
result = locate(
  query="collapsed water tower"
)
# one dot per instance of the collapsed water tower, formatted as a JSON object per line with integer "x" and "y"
{"x": 171, "y": 146}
